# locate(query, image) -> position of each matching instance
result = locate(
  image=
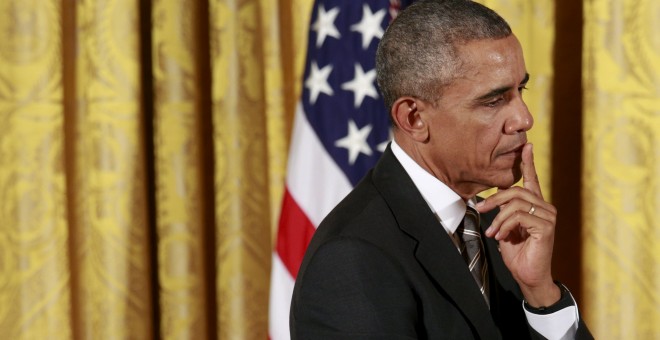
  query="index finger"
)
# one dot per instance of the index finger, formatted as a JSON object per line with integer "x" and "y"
{"x": 530, "y": 178}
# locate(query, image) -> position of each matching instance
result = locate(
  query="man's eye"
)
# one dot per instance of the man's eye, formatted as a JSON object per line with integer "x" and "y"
{"x": 495, "y": 102}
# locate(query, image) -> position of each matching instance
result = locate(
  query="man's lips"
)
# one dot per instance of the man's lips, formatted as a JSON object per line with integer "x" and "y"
{"x": 517, "y": 150}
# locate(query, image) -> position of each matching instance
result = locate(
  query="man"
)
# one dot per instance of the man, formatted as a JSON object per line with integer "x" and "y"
{"x": 396, "y": 259}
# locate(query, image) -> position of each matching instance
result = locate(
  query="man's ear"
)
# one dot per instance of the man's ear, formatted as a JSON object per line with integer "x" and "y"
{"x": 407, "y": 115}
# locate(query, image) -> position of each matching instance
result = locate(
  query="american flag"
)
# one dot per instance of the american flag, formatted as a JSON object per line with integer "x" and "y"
{"x": 341, "y": 127}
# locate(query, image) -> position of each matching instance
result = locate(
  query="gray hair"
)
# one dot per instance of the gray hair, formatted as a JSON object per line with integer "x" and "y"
{"x": 417, "y": 55}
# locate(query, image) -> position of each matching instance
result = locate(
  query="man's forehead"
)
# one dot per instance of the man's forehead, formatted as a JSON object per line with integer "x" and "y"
{"x": 488, "y": 57}
{"x": 490, "y": 51}
{"x": 480, "y": 77}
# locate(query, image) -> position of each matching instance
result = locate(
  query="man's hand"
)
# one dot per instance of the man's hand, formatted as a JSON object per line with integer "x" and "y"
{"x": 525, "y": 229}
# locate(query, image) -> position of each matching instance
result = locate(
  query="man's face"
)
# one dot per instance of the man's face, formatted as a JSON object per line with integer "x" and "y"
{"x": 478, "y": 127}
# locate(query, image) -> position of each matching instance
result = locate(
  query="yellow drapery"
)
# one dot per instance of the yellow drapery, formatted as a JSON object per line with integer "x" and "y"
{"x": 622, "y": 168}
{"x": 143, "y": 158}
{"x": 143, "y": 150}
{"x": 34, "y": 234}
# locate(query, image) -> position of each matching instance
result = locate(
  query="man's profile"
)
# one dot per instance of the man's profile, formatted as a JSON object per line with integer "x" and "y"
{"x": 411, "y": 252}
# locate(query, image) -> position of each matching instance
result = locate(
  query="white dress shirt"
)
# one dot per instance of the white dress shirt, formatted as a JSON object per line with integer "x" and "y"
{"x": 449, "y": 208}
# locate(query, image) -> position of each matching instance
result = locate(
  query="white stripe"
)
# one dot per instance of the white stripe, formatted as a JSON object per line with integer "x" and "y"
{"x": 471, "y": 233}
{"x": 474, "y": 261}
{"x": 281, "y": 290}
{"x": 314, "y": 180}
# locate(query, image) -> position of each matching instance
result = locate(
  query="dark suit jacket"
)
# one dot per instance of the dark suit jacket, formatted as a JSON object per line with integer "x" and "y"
{"x": 381, "y": 266}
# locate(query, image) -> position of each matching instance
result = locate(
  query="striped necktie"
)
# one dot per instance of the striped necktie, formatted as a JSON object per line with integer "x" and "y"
{"x": 472, "y": 250}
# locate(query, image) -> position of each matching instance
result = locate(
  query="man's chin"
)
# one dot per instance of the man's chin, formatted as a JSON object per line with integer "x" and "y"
{"x": 508, "y": 180}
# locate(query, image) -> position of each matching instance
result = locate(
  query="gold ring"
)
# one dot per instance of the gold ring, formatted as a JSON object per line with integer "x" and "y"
{"x": 532, "y": 210}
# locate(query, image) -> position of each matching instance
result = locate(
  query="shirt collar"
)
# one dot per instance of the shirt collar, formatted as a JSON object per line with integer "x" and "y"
{"x": 445, "y": 204}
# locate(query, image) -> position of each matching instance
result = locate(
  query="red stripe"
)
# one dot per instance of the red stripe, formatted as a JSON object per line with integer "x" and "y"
{"x": 294, "y": 233}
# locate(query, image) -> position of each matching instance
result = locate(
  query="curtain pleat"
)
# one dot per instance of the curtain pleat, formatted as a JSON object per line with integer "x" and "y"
{"x": 34, "y": 267}
{"x": 621, "y": 187}
{"x": 240, "y": 98}
{"x": 275, "y": 112}
{"x": 181, "y": 202}
{"x": 109, "y": 227}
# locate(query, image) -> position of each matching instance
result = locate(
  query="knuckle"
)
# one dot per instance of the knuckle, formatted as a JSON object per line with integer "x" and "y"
{"x": 518, "y": 215}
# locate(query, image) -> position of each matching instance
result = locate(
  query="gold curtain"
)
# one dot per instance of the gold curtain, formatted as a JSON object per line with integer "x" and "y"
{"x": 34, "y": 233}
{"x": 622, "y": 168}
{"x": 142, "y": 161}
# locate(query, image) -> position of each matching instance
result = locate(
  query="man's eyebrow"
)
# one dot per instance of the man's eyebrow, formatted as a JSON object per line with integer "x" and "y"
{"x": 525, "y": 79}
{"x": 500, "y": 90}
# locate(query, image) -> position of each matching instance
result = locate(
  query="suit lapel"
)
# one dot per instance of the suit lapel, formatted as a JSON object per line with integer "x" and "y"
{"x": 435, "y": 251}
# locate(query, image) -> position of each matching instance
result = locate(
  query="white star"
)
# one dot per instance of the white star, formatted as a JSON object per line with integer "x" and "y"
{"x": 362, "y": 85}
{"x": 370, "y": 25}
{"x": 355, "y": 142}
{"x": 325, "y": 25}
{"x": 317, "y": 82}
{"x": 382, "y": 146}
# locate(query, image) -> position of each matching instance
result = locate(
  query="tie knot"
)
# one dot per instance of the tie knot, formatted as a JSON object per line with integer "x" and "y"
{"x": 470, "y": 224}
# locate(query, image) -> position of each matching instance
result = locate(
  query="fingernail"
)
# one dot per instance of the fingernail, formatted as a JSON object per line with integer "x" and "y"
{"x": 489, "y": 231}
{"x": 497, "y": 236}
{"x": 480, "y": 204}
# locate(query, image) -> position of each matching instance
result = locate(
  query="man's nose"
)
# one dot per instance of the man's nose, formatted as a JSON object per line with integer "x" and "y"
{"x": 520, "y": 119}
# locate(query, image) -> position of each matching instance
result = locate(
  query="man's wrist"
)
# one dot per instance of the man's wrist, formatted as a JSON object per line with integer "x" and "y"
{"x": 565, "y": 300}
{"x": 540, "y": 295}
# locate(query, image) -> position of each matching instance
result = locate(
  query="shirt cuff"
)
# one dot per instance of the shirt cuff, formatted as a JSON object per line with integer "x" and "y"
{"x": 559, "y": 321}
